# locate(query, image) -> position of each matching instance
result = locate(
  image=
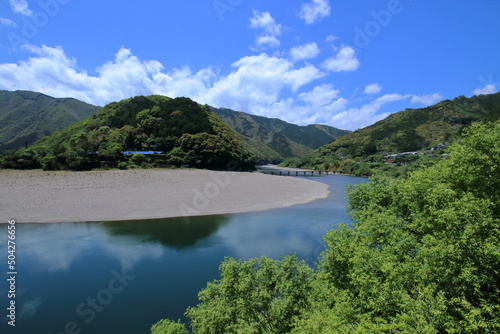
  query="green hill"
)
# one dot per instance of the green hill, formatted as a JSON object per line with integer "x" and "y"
{"x": 415, "y": 129}
{"x": 179, "y": 131}
{"x": 27, "y": 116}
{"x": 281, "y": 138}
{"x": 404, "y": 131}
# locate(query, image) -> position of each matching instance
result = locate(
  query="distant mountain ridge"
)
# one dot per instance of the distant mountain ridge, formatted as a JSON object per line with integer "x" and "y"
{"x": 281, "y": 138}
{"x": 406, "y": 137}
{"x": 176, "y": 132}
{"x": 415, "y": 129}
{"x": 28, "y": 116}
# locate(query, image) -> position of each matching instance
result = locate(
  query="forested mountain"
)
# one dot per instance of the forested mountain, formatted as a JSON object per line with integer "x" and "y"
{"x": 282, "y": 139}
{"x": 415, "y": 129}
{"x": 28, "y": 116}
{"x": 188, "y": 133}
{"x": 411, "y": 130}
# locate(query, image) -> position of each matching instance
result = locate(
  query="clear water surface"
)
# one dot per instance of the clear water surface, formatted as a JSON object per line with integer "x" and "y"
{"x": 121, "y": 277}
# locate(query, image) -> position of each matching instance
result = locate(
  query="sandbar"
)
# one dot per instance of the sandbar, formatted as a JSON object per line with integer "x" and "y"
{"x": 37, "y": 196}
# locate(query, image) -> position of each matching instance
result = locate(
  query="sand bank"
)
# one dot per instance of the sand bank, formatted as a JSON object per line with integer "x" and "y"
{"x": 46, "y": 197}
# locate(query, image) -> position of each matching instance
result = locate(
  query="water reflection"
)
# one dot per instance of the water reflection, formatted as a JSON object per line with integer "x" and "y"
{"x": 176, "y": 233}
{"x": 64, "y": 264}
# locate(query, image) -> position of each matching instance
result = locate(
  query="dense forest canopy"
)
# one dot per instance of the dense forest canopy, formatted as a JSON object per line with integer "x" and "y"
{"x": 422, "y": 256}
{"x": 28, "y": 116}
{"x": 274, "y": 140}
{"x": 183, "y": 131}
{"x": 409, "y": 134}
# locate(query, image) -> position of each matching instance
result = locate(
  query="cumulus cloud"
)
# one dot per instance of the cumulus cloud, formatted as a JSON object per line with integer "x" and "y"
{"x": 271, "y": 29}
{"x": 427, "y": 99}
{"x": 254, "y": 82}
{"x": 488, "y": 89}
{"x": 355, "y": 118}
{"x": 266, "y": 85}
{"x": 314, "y": 11}
{"x": 268, "y": 40}
{"x": 306, "y": 51}
{"x": 369, "y": 113}
{"x": 20, "y": 7}
{"x": 373, "y": 89}
{"x": 320, "y": 96}
{"x": 54, "y": 73}
{"x": 265, "y": 21}
{"x": 7, "y": 22}
{"x": 257, "y": 82}
{"x": 344, "y": 60}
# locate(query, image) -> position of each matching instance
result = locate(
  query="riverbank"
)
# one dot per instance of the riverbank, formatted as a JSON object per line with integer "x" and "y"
{"x": 48, "y": 197}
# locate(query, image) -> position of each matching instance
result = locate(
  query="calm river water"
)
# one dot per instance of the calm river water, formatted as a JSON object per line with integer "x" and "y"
{"x": 121, "y": 277}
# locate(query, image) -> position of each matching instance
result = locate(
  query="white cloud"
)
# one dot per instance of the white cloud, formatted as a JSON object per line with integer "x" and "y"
{"x": 254, "y": 83}
{"x": 7, "y": 22}
{"x": 373, "y": 89}
{"x": 331, "y": 38}
{"x": 306, "y": 51}
{"x": 355, "y": 118}
{"x": 488, "y": 89}
{"x": 55, "y": 74}
{"x": 265, "y": 85}
{"x": 427, "y": 99}
{"x": 344, "y": 60}
{"x": 320, "y": 96}
{"x": 314, "y": 11}
{"x": 265, "y": 21}
{"x": 20, "y": 7}
{"x": 257, "y": 82}
{"x": 302, "y": 76}
{"x": 269, "y": 40}
{"x": 271, "y": 29}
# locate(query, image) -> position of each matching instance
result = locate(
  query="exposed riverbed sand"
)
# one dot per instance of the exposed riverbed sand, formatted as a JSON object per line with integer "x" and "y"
{"x": 45, "y": 197}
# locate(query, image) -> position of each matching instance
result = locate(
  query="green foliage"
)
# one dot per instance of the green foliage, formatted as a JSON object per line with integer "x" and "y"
{"x": 411, "y": 130}
{"x": 110, "y": 151}
{"x": 74, "y": 159}
{"x": 168, "y": 327}
{"x": 422, "y": 256}
{"x": 273, "y": 139}
{"x": 256, "y": 296}
{"x": 152, "y": 123}
{"x": 122, "y": 165}
{"x": 28, "y": 116}
{"x": 139, "y": 158}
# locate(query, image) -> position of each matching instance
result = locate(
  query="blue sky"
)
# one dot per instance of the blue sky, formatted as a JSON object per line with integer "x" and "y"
{"x": 338, "y": 62}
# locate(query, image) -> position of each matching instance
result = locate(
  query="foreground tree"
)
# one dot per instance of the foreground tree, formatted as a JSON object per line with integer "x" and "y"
{"x": 256, "y": 296}
{"x": 168, "y": 327}
{"x": 423, "y": 256}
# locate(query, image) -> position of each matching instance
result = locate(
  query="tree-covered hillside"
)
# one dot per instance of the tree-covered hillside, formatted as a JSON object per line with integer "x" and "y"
{"x": 185, "y": 133}
{"x": 282, "y": 139}
{"x": 410, "y": 130}
{"x": 414, "y": 129}
{"x": 422, "y": 256}
{"x": 27, "y": 116}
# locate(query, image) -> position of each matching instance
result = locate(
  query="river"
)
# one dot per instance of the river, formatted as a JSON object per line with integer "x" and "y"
{"x": 121, "y": 277}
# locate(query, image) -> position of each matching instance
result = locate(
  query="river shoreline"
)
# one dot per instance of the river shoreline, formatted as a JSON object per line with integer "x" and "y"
{"x": 35, "y": 196}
